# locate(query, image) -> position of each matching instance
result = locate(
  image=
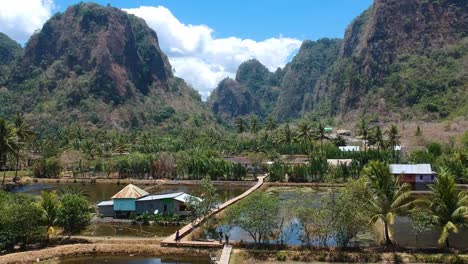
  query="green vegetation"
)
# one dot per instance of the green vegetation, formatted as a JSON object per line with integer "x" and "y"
{"x": 256, "y": 215}
{"x": 448, "y": 205}
{"x": 27, "y": 220}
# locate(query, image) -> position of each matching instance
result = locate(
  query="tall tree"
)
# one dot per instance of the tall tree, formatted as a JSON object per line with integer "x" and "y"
{"x": 24, "y": 134}
{"x": 270, "y": 123}
{"x": 305, "y": 134}
{"x": 376, "y": 138}
{"x": 254, "y": 125}
{"x": 364, "y": 131}
{"x": 393, "y": 137}
{"x": 387, "y": 196}
{"x": 321, "y": 134}
{"x": 240, "y": 124}
{"x": 8, "y": 144}
{"x": 448, "y": 205}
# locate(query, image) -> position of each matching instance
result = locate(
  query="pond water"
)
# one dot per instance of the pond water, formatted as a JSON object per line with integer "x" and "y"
{"x": 402, "y": 231}
{"x": 104, "y": 191}
{"x": 97, "y": 192}
{"x": 134, "y": 260}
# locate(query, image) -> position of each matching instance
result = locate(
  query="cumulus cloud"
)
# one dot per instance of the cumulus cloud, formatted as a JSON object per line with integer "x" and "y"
{"x": 20, "y": 18}
{"x": 203, "y": 60}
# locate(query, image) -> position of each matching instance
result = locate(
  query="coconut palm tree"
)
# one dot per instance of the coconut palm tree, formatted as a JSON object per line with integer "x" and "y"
{"x": 286, "y": 136}
{"x": 376, "y": 138}
{"x": 49, "y": 203}
{"x": 321, "y": 134}
{"x": 240, "y": 124}
{"x": 393, "y": 137}
{"x": 448, "y": 205}
{"x": 305, "y": 134}
{"x": 364, "y": 131}
{"x": 387, "y": 196}
{"x": 254, "y": 126}
{"x": 270, "y": 123}
{"x": 24, "y": 134}
{"x": 8, "y": 144}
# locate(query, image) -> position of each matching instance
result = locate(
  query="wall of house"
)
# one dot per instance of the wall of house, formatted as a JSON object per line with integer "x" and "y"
{"x": 106, "y": 210}
{"x": 168, "y": 206}
{"x": 124, "y": 205}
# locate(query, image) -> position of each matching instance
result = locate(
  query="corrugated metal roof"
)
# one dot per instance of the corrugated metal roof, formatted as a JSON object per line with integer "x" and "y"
{"x": 180, "y": 196}
{"x": 411, "y": 169}
{"x": 106, "y": 203}
{"x": 130, "y": 192}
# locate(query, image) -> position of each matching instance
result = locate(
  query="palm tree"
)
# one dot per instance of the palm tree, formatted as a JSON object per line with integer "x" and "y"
{"x": 305, "y": 134}
{"x": 448, "y": 205}
{"x": 364, "y": 131}
{"x": 393, "y": 137}
{"x": 24, "y": 134}
{"x": 376, "y": 138}
{"x": 240, "y": 124}
{"x": 254, "y": 126}
{"x": 49, "y": 204}
{"x": 8, "y": 144}
{"x": 270, "y": 123}
{"x": 387, "y": 196}
{"x": 321, "y": 135}
{"x": 286, "y": 136}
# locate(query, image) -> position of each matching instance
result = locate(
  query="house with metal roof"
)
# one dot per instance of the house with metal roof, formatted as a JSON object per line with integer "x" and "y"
{"x": 418, "y": 175}
{"x": 349, "y": 148}
{"x": 133, "y": 199}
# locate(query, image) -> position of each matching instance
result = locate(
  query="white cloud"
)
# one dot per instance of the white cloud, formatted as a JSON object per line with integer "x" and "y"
{"x": 198, "y": 57}
{"x": 203, "y": 60}
{"x": 20, "y": 18}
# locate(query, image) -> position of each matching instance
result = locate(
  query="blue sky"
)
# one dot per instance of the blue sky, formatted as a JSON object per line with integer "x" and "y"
{"x": 258, "y": 19}
{"x": 206, "y": 41}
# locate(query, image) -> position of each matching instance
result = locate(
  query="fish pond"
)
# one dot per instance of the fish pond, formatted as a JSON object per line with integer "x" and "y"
{"x": 133, "y": 260}
{"x": 96, "y": 192}
{"x": 402, "y": 230}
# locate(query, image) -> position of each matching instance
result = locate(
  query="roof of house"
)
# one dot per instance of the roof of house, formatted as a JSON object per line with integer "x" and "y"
{"x": 411, "y": 169}
{"x": 349, "y": 148}
{"x": 106, "y": 203}
{"x": 295, "y": 159}
{"x": 180, "y": 196}
{"x": 130, "y": 192}
{"x": 239, "y": 159}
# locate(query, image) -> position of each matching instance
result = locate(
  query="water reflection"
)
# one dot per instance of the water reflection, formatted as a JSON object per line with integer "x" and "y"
{"x": 403, "y": 234}
{"x": 135, "y": 260}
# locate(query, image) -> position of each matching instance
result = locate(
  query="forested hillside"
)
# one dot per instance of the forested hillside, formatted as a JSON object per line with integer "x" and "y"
{"x": 406, "y": 58}
{"x": 99, "y": 67}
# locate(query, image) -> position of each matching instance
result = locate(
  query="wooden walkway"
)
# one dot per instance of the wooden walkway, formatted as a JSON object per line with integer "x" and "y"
{"x": 184, "y": 231}
{"x": 225, "y": 255}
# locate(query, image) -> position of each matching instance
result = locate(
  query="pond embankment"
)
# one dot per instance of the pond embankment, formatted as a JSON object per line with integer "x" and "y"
{"x": 101, "y": 247}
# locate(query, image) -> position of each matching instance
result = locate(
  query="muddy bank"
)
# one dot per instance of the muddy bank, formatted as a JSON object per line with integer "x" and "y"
{"x": 116, "y": 249}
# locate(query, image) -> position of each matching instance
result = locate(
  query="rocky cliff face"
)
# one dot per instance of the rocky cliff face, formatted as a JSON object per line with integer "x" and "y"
{"x": 10, "y": 51}
{"x": 117, "y": 52}
{"x": 378, "y": 39}
{"x": 393, "y": 27}
{"x": 102, "y": 67}
{"x": 254, "y": 91}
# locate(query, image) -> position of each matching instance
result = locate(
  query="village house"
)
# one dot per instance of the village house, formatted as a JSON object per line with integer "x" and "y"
{"x": 244, "y": 161}
{"x": 349, "y": 148}
{"x": 418, "y": 175}
{"x": 339, "y": 162}
{"x": 133, "y": 199}
{"x": 295, "y": 160}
